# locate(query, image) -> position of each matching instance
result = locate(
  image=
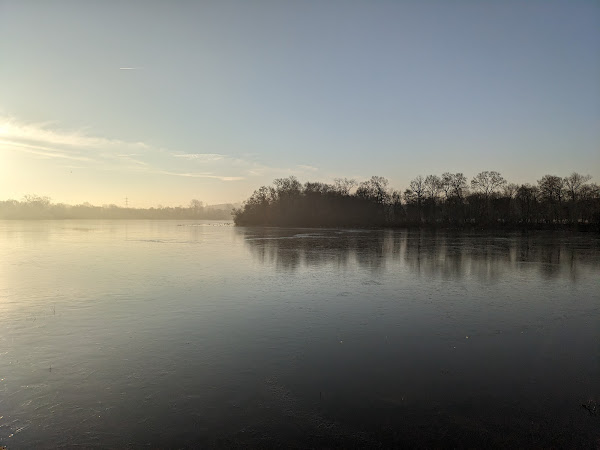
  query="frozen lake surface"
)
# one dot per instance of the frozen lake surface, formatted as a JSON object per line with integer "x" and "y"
{"x": 170, "y": 334}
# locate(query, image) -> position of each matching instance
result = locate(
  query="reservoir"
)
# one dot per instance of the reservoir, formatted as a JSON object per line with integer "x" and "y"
{"x": 176, "y": 334}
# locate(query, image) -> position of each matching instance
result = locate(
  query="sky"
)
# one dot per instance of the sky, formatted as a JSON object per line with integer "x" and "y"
{"x": 163, "y": 102}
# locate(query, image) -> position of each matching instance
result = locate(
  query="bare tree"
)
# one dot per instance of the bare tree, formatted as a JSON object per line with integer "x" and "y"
{"x": 396, "y": 198}
{"x": 446, "y": 184}
{"x": 551, "y": 188}
{"x": 552, "y": 191}
{"x": 374, "y": 189}
{"x": 433, "y": 185}
{"x": 196, "y": 205}
{"x": 527, "y": 198}
{"x": 589, "y": 191}
{"x": 487, "y": 182}
{"x": 573, "y": 184}
{"x": 417, "y": 186}
{"x": 510, "y": 190}
{"x": 343, "y": 186}
{"x": 287, "y": 187}
{"x": 458, "y": 184}
{"x": 317, "y": 188}
{"x": 37, "y": 201}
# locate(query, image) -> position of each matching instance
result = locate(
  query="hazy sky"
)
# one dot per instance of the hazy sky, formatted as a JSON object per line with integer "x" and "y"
{"x": 168, "y": 101}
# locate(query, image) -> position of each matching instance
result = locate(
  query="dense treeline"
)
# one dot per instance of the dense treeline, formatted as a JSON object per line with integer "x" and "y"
{"x": 35, "y": 207}
{"x": 446, "y": 200}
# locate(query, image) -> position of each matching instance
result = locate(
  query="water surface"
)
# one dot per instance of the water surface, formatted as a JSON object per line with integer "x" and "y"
{"x": 178, "y": 334}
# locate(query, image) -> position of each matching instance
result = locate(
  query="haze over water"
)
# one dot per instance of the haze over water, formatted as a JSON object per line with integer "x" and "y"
{"x": 194, "y": 333}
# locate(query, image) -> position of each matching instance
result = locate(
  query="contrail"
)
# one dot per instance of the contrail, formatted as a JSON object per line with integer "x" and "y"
{"x": 129, "y": 68}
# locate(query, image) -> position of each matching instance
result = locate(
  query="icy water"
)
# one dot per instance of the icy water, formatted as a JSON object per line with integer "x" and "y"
{"x": 174, "y": 334}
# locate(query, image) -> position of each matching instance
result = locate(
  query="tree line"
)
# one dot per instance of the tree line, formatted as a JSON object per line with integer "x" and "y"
{"x": 37, "y": 207}
{"x": 488, "y": 200}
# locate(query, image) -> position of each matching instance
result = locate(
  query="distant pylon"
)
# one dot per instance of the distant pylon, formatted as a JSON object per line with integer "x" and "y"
{"x": 126, "y": 202}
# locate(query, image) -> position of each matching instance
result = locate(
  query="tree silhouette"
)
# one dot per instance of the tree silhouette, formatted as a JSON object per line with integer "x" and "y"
{"x": 487, "y": 183}
{"x": 493, "y": 202}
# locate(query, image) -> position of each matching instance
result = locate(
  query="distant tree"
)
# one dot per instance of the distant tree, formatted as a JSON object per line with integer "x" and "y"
{"x": 317, "y": 188}
{"x": 552, "y": 192}
{"x": 446, "y": 184}
{"x": 487, "y": 183}
{"x": 196, "y": 206}
{"x": 36, "y": 200}
{"x": 574, "y": 183}
{"x": 484, "y": 187}
{"x": 433, "y": 186}
{"x": 418, "y": 187}
{"x": 552, "y": 188}
{"x": 505, "y": 205}
{"x": 527, "y": 201}
{"x": 458, "y": 184}
{"x": 409, "y": 196}
{"x": 287, "y": 187}
{"x": 413, "y": 196}
{"x": 510, "y": 190}
{"x": 589, "y": 201}
{"x": 343, "y": 186}
{"x": 458, "y": 191}
{"x": 374, "y": 189}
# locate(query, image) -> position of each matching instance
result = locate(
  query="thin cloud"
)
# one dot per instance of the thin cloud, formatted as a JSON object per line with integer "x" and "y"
{"x": 16, "y": 131}
{"x": 201, "y": 156}
{"x": 46, "y": 140}
{"x": 199, "y": 175}
{"x": 126, "y": 158}
{"x": 308, "y": 168}
{"x": 261, "y": 170}
{"x": 45, "y": 152}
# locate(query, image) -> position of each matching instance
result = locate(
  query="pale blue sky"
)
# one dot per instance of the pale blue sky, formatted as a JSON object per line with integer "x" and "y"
{"x": 226, "y": 96}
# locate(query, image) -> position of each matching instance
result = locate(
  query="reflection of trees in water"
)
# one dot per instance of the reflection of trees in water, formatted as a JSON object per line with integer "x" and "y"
{"x": 445, "y": 254}
{"x": 290, "y": 249}
{"x": 487, "y": 256}
{"x": 557, "y": 254}
{"x": 457, "y": 255}
{"x": 432, "y": 254}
